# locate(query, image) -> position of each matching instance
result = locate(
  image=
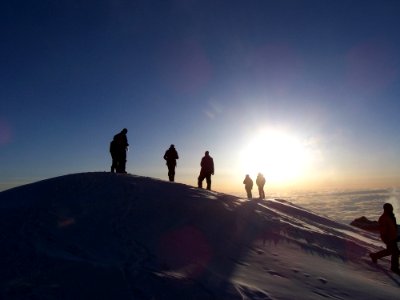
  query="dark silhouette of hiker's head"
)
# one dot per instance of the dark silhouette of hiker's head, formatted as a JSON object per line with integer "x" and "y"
{"x": 172, "y": 146}
{"x": 207, "y": 153}
{"x": 388, "y": 208}
{"x": 124, "y": 131}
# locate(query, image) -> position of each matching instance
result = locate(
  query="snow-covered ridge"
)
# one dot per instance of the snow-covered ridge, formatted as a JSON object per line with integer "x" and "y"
{"x": 111, "y": 236}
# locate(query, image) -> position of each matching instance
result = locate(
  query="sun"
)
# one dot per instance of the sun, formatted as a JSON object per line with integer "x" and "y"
{"x": 281, "y": 157}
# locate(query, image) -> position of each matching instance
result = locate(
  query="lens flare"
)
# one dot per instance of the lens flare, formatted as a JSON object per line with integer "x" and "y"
{"x": 280, "y": 156}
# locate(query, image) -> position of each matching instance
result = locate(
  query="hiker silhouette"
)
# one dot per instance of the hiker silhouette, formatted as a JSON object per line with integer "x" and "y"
{"x": 388, "y": 231}
{"x": 260, "y": 181}
{"x": 207, "y": 169}
{"x": 171, "y": 155}
{"x": 118, "y": 148}
{"x": 248, "y": 185}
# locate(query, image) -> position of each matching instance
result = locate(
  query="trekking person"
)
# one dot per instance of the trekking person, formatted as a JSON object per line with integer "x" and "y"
{"x": 388, "y": 232}
{"x": 207, "y": 169}
{"x": 248, "y": 185}
{"x": 260, "y": 181}
{"x": 171, "y": 155}
{"x": 120, "y": 147}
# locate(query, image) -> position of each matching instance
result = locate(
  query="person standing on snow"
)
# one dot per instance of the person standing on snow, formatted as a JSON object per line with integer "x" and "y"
{"x": 260, "y": 181}
{"x": 171, "y": 155}
{"x": 388, "y": 231}
{"x": 207, "y": 169}
{"x": 119, "y": 149}
{"x": 248, "y": 185}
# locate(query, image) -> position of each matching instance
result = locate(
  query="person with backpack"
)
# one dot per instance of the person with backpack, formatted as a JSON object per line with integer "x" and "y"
{"x": 171, "y": 155}
{"x": 248, "y": 185}
{"x": 118, "y": 149}
{"x": 388, "y": 232}
{"x": 207, "y": 169}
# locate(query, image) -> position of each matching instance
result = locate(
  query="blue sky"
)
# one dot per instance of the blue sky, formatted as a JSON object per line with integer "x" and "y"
{"x": 203, "y": 75}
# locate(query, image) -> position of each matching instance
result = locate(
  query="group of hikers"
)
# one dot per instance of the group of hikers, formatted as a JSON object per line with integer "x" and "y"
{"x": 119, "y": 146}
{"x": 387, "y": 221}
{"x": 207, "y": 166}
{"x": 248, "y": 185}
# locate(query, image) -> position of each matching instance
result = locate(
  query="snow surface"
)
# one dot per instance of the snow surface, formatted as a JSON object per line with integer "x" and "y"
{"x": 113, "y": 236}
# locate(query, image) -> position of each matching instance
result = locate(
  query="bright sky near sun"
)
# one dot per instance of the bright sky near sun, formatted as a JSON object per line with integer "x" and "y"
{"x": 306, "y": 92}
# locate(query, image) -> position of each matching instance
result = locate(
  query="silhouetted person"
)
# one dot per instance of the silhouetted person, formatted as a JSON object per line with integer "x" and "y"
{"x": 120, "y": 146}
{"x": 207, "y": 169}
{"x": 171, "y": 155}
{"x": 248, "y": 185}
{"x": 388, "y": 231}
{"x": 260, "y": 181}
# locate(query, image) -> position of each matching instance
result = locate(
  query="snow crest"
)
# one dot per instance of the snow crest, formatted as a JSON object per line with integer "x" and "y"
{"x": 113, "y": 236}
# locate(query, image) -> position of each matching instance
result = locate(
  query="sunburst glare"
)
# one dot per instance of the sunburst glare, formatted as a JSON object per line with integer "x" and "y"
{"x": 280, "y": 156}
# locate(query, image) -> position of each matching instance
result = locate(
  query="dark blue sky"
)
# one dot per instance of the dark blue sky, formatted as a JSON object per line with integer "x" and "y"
{"x": 204, "y": 75}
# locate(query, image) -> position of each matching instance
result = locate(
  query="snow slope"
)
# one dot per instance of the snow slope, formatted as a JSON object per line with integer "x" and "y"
{"x": 111, "y": 236}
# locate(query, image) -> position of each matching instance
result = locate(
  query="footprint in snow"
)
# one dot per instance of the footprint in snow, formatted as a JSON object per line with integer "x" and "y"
{"x": 259, "y": 251}
{"x": 273, "y": 273}
{"x": 323, "y": 280}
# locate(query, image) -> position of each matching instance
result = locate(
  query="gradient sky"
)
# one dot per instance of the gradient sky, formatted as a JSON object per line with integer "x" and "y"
{"x": 306, "y": 92}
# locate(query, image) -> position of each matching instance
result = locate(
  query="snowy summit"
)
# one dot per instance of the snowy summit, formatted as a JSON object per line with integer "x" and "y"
{"x": 112, "y": 236}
